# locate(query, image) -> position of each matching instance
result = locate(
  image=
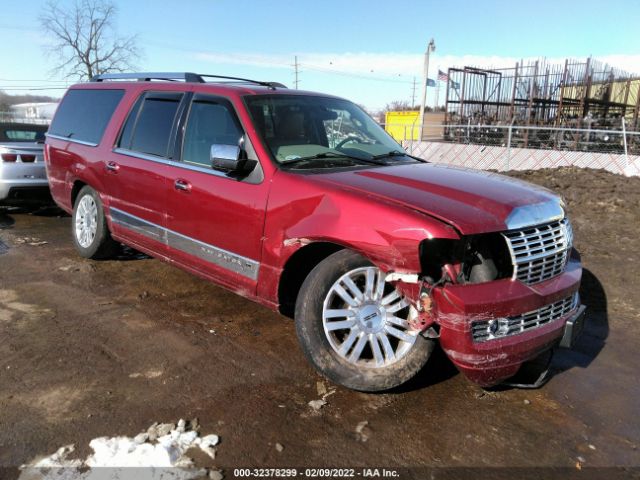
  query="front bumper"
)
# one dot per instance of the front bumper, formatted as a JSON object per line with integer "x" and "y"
{"x": 573, "y": 328}
{"x": 490, "y": 362}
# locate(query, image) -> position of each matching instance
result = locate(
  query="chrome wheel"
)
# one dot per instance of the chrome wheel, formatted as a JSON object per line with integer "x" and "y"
{"x": 86, "y": 223}
{"x": 366, "y": 320}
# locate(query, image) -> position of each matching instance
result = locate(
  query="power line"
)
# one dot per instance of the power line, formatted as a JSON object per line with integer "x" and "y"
{"x": 29, "y": 89}
{"x": 354, "y": 75}
{"x": 39, "y": 80}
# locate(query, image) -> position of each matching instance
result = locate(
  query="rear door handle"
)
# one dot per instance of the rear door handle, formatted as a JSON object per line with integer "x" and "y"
{"x": 183, "y": 185}
{"x": 112, "y": 167}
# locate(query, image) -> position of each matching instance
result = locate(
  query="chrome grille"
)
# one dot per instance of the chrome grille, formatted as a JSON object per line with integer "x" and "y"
{"x": 540, "y": 253}
{"x": 503, "y": 327}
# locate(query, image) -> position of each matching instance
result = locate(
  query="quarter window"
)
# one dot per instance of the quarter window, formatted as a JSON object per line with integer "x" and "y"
{"x": 25, "y": 134}
{"x": 210, "y": 122}
{"x": 85, "y": 113}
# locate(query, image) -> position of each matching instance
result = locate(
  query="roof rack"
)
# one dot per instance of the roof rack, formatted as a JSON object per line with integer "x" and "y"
{"x": 175, "y": 76}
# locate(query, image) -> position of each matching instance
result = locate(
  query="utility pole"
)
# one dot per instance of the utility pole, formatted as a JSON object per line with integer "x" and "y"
{"x": 296, "y": 71}
{"x": 431, "y": 47}
{"x": 413, "y": 93}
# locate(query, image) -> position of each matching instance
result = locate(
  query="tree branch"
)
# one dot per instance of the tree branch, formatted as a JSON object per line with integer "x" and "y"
{"x": 83, "y": 39}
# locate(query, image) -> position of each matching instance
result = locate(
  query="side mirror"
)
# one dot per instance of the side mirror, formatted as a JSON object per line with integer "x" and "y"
{"x": 226, "y": 158}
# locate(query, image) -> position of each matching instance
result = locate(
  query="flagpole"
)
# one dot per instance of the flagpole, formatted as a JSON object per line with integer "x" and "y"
{"x": 425, "y": 74}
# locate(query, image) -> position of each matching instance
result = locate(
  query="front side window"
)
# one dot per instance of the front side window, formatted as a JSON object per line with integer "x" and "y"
{"x": 210, "y": 122}
{"x": 148, "y": 127}
{"x": 315, "y": 131}
{"x": 84, "y": 114}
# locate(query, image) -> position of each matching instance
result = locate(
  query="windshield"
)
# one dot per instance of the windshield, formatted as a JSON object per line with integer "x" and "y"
{"x": 314, "y": 131}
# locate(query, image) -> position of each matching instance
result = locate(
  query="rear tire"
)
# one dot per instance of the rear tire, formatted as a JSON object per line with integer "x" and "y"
{"x": 364, "y": 342}
{"x": 89, "y": 229}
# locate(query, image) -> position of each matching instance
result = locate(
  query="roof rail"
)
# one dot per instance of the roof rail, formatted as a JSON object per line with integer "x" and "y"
{"x": 147, "y": 76}
{"x": 271, "y": 85}
{"x": 174, "y": 76}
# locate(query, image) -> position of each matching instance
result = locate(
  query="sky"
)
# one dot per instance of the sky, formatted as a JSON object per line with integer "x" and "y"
{"x": 369, "y": 51}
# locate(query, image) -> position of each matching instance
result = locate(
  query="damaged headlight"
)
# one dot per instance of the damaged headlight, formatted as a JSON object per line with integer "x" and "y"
{"x": 475, "y": 258}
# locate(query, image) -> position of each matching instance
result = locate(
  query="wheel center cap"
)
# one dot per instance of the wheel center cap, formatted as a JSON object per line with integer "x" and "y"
{"x": 371, "y": 318}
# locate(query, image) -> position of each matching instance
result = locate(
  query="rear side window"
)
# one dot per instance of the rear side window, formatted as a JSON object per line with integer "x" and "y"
{"x": 148, "y": 127}
{"x": 24, "y": 134}
{"x": 209, "y": 123}
{"x": 84, "y": 114}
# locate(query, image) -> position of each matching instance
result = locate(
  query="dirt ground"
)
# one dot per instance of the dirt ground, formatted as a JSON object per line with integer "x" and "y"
{"x": 90, "y": 349}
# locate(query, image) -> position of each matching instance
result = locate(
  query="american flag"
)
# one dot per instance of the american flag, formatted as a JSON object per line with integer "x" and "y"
{"x": 443, "y": 76}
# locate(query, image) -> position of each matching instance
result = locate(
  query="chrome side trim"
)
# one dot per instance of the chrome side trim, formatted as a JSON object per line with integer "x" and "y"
{"x": 223, "y": 258}
{"x": 536, "y": 214}
{"x": 72, "y": 140}
{"x": 164, "y": 161}
{"x": 138, "y": 225}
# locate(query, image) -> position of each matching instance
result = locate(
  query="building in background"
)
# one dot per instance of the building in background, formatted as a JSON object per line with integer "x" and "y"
{"x": 35, "y": 112}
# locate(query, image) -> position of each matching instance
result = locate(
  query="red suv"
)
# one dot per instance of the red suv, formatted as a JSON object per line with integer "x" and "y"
{"x": 301, "y": 202}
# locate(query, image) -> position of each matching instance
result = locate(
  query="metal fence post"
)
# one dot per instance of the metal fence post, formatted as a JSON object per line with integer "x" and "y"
{"x": 624, "y": 141}
{"x": 408, "y": 139}
{"x": 506, "y": 167}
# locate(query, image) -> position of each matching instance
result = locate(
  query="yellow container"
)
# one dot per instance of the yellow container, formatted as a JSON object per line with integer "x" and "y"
{"x": 402, "y": 125}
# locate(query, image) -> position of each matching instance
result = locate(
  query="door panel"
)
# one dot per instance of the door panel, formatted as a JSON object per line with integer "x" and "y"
{"x": 139, "y": 199}
{"x": 137, "y": 170}
{"x": 215, "y": 222}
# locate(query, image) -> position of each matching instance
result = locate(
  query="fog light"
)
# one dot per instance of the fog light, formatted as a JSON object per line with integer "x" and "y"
{"x": 498, "y": 327}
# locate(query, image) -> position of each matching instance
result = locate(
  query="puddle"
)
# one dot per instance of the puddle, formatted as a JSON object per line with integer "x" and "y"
{"x": 4, "y": 248}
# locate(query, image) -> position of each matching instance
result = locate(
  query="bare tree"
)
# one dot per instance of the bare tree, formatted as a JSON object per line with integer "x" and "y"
{"x": 400, "y": 106}
{"x": 84, "y": 39}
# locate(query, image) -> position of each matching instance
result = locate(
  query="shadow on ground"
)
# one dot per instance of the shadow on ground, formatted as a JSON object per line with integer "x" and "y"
{"x": 438, "y": 369}
{"x": 596, "y": 328}
{"x": 7, "y": 219}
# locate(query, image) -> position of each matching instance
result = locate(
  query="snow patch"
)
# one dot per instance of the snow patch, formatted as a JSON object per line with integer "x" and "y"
{"x": 147, "y": 374}
{"x": 316, "y": 405}
{"x": 159, "y": 453}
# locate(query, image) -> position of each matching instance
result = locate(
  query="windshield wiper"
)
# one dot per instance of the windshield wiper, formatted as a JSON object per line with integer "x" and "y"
{"x": 398, "y": 153}
{"x": 322, "y": 155}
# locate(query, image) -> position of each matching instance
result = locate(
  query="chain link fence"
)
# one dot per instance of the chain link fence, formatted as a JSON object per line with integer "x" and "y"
{"x": 516, "y": 147}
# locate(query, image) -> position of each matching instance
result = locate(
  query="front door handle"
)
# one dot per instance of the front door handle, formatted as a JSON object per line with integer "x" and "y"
{"x": 183, "y": 185}
{"x": 112, "y": 167}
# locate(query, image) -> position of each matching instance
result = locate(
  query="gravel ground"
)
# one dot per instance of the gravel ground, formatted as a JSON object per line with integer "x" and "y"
{"x": 107, "y": 348}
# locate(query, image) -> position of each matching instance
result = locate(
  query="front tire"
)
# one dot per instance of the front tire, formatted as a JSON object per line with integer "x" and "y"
{"x": 89, "y": 229}
{"x": 353, "y": 326}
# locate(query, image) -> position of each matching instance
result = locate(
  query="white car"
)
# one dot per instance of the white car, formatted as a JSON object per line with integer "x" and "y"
{"x": 23, "y": 178}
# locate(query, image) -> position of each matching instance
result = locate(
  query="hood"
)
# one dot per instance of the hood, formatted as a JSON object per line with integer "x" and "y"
{"x": 473, "y": 201}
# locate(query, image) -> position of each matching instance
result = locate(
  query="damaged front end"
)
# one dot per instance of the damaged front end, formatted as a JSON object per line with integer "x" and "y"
{"x": 443, "y": 261}
{"x": 488, "y": 320}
